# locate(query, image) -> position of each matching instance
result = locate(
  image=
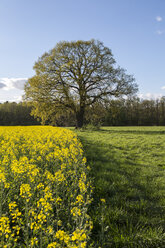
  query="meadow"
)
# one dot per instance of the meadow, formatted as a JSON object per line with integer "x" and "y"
{"x": 128, "y": 169}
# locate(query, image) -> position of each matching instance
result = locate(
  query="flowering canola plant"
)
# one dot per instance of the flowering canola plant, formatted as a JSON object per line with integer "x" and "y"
{"x": 45, "y": 189}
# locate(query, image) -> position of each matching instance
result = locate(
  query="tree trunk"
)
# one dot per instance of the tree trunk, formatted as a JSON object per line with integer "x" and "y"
{"x": 80, "y": 117}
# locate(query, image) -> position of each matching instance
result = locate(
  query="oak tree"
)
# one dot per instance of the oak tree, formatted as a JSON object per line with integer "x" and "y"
{"x": 75, "y": 75}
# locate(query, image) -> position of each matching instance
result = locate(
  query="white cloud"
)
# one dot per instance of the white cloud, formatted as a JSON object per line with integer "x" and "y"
{"x": 17, "y": 99}
{"x": 163, "y": 88}
{"x": 160, "y": 32}
{"x": 2, "y": 100}
{"x": 12, "y": 83}
{"x": 159, "y": 18}
{"x": 150, "y": 96}
{"x": 2, "y": 85}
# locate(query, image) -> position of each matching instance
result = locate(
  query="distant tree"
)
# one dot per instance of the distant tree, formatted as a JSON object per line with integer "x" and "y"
{"x": 12, "y": 113}
{"x": 74, "y": 75}
{"x": 95, "y": 114}
{"x": 162, "y": 111}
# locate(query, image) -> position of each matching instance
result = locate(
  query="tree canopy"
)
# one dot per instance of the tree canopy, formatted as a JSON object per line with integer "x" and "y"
{"x": 73, "y": 76}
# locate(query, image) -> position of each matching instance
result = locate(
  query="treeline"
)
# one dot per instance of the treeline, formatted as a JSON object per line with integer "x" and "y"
{"x": 12, "y": 114}
{"x": 130, "y": 112}
{"x": 119, "y": 112}
{"x": 124, "y": 112}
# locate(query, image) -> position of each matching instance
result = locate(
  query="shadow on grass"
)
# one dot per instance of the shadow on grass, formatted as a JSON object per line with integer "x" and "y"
{"x": 133, "y": 213}
{"x": 132, "y": 131}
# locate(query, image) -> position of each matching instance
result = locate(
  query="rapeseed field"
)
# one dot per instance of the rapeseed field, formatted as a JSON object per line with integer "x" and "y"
{"x": 44, "y": 189}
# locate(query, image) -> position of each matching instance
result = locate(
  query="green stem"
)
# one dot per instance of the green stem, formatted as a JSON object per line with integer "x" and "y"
{"x": 102, "y": 225}
{"x": 41, "y": 239}
{"x": 27, "y": 228}
{"x": 1, "y": 197}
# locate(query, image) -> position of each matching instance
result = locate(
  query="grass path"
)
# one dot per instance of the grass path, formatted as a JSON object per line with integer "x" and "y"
{"x": 128, "y": 167}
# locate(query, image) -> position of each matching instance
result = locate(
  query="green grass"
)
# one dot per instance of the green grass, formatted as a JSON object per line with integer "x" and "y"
{"x": 128, "y": 169}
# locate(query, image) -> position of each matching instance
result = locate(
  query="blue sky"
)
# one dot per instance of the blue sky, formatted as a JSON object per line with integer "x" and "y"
{"x": 133, "y": 29}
